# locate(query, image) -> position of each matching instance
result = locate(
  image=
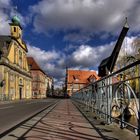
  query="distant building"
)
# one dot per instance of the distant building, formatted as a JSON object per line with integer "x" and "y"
{"x": 15, "y": 78}
{"x": 77, "y": 79}
{"x": 41, "y": 82}
{"x": 49, "y": 86}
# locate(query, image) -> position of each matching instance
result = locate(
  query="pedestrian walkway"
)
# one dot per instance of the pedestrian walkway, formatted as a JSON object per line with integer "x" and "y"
{"x": 65, "y": 122}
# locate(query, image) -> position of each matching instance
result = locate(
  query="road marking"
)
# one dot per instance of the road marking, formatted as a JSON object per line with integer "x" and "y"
{"x": 6, "y": 107}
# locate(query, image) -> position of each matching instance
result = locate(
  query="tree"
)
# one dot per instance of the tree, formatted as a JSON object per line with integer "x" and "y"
{"x": 48, "y": 92}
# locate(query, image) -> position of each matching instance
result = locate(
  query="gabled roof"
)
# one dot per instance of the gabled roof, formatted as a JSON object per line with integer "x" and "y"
{"x": 80, "y": 76}
{"x": 92, "y": 77}
{"x": 33, "y": 64}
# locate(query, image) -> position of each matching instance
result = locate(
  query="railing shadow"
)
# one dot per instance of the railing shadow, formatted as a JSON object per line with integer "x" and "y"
{"x": 56, "y": 126}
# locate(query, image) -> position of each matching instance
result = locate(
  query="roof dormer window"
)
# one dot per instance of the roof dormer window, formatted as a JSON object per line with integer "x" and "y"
{"x": 76, "y": 77}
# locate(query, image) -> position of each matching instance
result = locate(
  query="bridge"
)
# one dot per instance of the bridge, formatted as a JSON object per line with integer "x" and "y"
{"x": 105, "y": 109}
{"x": 68, "y": 119}
{"x": 115, "y": 98}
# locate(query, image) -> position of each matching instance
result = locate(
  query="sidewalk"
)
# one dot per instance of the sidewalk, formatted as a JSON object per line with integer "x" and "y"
{"x": 65, "y": 122}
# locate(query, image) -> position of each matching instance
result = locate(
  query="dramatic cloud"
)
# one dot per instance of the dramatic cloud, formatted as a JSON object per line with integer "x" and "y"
{"x": 54, "y": 63}
{"x": 75, "y": 23}
{"x": 43, "y": 55}
{"x": 87, "y": 15}
{"x": 77, "y": 37}
{"x": 87, "y": 56}
{"x": 83, "y": 57}
{"x": 5, "y": 7}
{"x": 7, "y": 11}
{"x": 5, "y": 3}
{"x": 49, "y": 61}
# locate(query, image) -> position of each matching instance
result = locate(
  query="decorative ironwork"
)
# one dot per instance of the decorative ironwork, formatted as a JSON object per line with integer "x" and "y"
{"x": 114, "y": 97}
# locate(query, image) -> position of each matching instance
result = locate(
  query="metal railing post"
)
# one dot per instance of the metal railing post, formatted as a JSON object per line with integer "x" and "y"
{"x": 109, "y": 96}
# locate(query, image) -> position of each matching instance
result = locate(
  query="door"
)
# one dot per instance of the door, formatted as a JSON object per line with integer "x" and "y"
{"x": 20, "y": 93}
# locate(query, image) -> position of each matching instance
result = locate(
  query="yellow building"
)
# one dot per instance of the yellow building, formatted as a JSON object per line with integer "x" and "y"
{"x": 15, "y": 78}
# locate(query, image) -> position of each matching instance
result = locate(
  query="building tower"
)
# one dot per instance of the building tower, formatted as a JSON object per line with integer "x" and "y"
{"x": 15, "y": 27}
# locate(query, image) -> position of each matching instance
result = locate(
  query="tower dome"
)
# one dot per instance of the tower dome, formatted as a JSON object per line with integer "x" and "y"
{"x": 16, "y": 20}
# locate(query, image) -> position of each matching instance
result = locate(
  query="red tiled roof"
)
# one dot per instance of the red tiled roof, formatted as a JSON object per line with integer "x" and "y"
{"x": 81, "y": 76}
{"x": 33, "y": 64}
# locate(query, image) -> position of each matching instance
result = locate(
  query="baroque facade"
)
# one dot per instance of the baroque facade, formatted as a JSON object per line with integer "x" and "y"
{"x": 15, "y": 78}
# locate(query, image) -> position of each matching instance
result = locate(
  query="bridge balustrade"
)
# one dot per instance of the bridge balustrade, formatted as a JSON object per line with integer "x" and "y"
{"x": 115, "y": 98}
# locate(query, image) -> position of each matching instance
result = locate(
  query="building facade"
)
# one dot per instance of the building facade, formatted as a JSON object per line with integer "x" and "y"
{"x": 40, "y": 80}
{"x": 77, "y": 79}
{"x": 15, "y": 78}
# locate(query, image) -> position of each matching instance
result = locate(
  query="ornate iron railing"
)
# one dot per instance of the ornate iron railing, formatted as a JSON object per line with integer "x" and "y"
{"x": 115, "y": 97}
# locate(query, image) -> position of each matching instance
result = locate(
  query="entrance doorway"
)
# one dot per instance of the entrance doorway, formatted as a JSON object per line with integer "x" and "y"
{"x": 20, "y": 93}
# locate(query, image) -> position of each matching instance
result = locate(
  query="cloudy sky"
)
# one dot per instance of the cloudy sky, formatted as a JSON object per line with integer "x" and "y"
{"x": 73, "y": 33}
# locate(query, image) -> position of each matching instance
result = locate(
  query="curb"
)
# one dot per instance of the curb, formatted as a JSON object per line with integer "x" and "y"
{"x": 24, "y": 121}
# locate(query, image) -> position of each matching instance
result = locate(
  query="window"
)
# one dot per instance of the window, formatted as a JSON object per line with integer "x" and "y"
{"x": 15, "y": 55}
{"x": 76, "y": 86}
{"x": 76, "y": 77}
{"x": 20, "y": 58}
{"x": 12, "y": 77}
{"x": 27, "y": 86}
{"x": 14, "y": 29}
{"x": 12, "y": 91}
{"x": 20, "y": 81}
{"x": 81, "y": 85}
